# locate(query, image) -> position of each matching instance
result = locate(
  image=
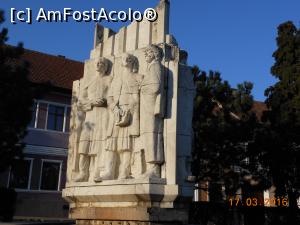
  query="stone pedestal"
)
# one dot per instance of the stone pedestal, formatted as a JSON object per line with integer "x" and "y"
{"x": 135, "y": 76}
{"x": 139, "y": 201}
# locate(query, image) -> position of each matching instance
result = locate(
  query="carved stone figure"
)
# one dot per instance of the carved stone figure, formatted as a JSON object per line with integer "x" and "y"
{"x": 93, "y": 101}
{"x": 77, "y": 118}
{"x": 152, "y": 112}
{"x": 123, "y": 127}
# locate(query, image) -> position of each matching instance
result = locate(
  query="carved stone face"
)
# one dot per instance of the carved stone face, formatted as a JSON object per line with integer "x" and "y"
{"x": 101, "y": 67}
{"x": 149, "y": 55}
{"x": 127, "y": 61}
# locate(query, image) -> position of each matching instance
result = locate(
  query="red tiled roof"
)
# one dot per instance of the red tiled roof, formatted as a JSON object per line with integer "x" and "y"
{"x": 56, "y": 70}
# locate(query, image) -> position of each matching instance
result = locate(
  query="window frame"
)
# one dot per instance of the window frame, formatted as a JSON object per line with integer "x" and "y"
{"x": 29, "y": 177}
{"x": 59, "y": 174}
{"x": 65, "y": 106}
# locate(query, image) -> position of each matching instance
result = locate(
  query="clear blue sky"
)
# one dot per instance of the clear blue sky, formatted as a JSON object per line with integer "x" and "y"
{"x": 235, "y": 37}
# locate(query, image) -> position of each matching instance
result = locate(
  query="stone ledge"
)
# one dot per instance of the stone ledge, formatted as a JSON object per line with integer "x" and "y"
{"x": 118, "y": 182}
{"x": 122, "y": 195}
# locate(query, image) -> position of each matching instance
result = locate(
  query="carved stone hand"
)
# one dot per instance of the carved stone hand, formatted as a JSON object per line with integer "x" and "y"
{"x": 99, "y": 102}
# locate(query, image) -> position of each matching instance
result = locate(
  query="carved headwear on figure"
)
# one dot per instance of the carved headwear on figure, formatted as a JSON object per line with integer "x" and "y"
{"x": 130, "y": 61}
{"x": 156, "y": 51}
{"x": 102, "y": 65}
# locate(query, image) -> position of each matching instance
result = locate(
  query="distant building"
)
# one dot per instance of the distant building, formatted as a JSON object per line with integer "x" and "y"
{"x": 40, "y": 178}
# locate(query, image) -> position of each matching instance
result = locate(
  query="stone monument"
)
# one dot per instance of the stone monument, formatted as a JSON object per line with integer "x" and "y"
{"x": 131, "y": 128}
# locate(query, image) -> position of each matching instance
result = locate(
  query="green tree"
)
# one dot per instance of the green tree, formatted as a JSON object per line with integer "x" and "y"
{"x": 16, "y": 99}
{"x": 224, "y": 124}
{"x": 279, "y": 141}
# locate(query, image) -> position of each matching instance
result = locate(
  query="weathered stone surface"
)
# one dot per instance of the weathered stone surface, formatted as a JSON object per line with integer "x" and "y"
{"x": 145, "y": 34}
{"x": 92, "y": 103}
{"x": 120, "y": 41}
{"x": 108, "y": 48}
{"x": 162, "y": 26}
{"x": 97, "y": 52}
{"x": 132, "y": 126}
{"x": 138, "y": 214}
{"x": 122, "y": 193}
{"x": 132, "y": 37}
{"x": 131, "y": 133}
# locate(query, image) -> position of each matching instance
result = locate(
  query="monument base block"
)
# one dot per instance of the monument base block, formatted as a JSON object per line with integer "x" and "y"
{"x": 98, "y": 222}
{"x": 129, "y": 216}
{"x": 144, "y": 201}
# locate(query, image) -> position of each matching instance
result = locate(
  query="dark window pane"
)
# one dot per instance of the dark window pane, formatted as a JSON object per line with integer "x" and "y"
{"x": 41, "y": 123}
{"x": 19, "y": 174}
{"x": 67, "y": 128}
{"x": 55, "y": 118}
{"x": 33, "y": 115}
{"x": 50, "y": 176}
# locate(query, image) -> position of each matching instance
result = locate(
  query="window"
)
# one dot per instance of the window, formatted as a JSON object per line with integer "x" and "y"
{"x": 50, "y": 116}
{"x": 55, "y": 120}
{"x": 20, "y": 174}
{"x": 50, "y": 175}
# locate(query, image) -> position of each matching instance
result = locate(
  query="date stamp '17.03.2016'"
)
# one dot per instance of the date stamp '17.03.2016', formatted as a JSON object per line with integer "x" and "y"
{"x": 257, "y": 202}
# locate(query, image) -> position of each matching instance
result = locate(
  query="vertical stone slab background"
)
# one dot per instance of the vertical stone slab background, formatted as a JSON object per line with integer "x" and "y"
{"x": 98, "y": 35}
{"x": 145, "y": 34}
{"x": 171, "y": 122}
{"x": 97, "y": 52}
{"x": 163, "y": 10}
{"x": 132, "y": 37}
{"x": 186, "y": 93}
{"x": 107, "y": 33}
{"x": 108, "y": 49}
{"x": 120, "y": 41}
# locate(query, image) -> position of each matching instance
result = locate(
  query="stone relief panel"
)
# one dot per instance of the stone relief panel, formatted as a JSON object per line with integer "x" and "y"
{"x": 129, "y": 145}
{"x": 120, "y": 133}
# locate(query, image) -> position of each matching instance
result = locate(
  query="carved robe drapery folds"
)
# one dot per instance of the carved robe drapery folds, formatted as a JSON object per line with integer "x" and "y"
{"x": 93, "y": 102}
{"x": 123, "y": 126}
{"x": 123, "y": 100}
{"x": 152, "y": 113}
{"x": 124, "y": 120}
{"x": 94, "y": 127}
